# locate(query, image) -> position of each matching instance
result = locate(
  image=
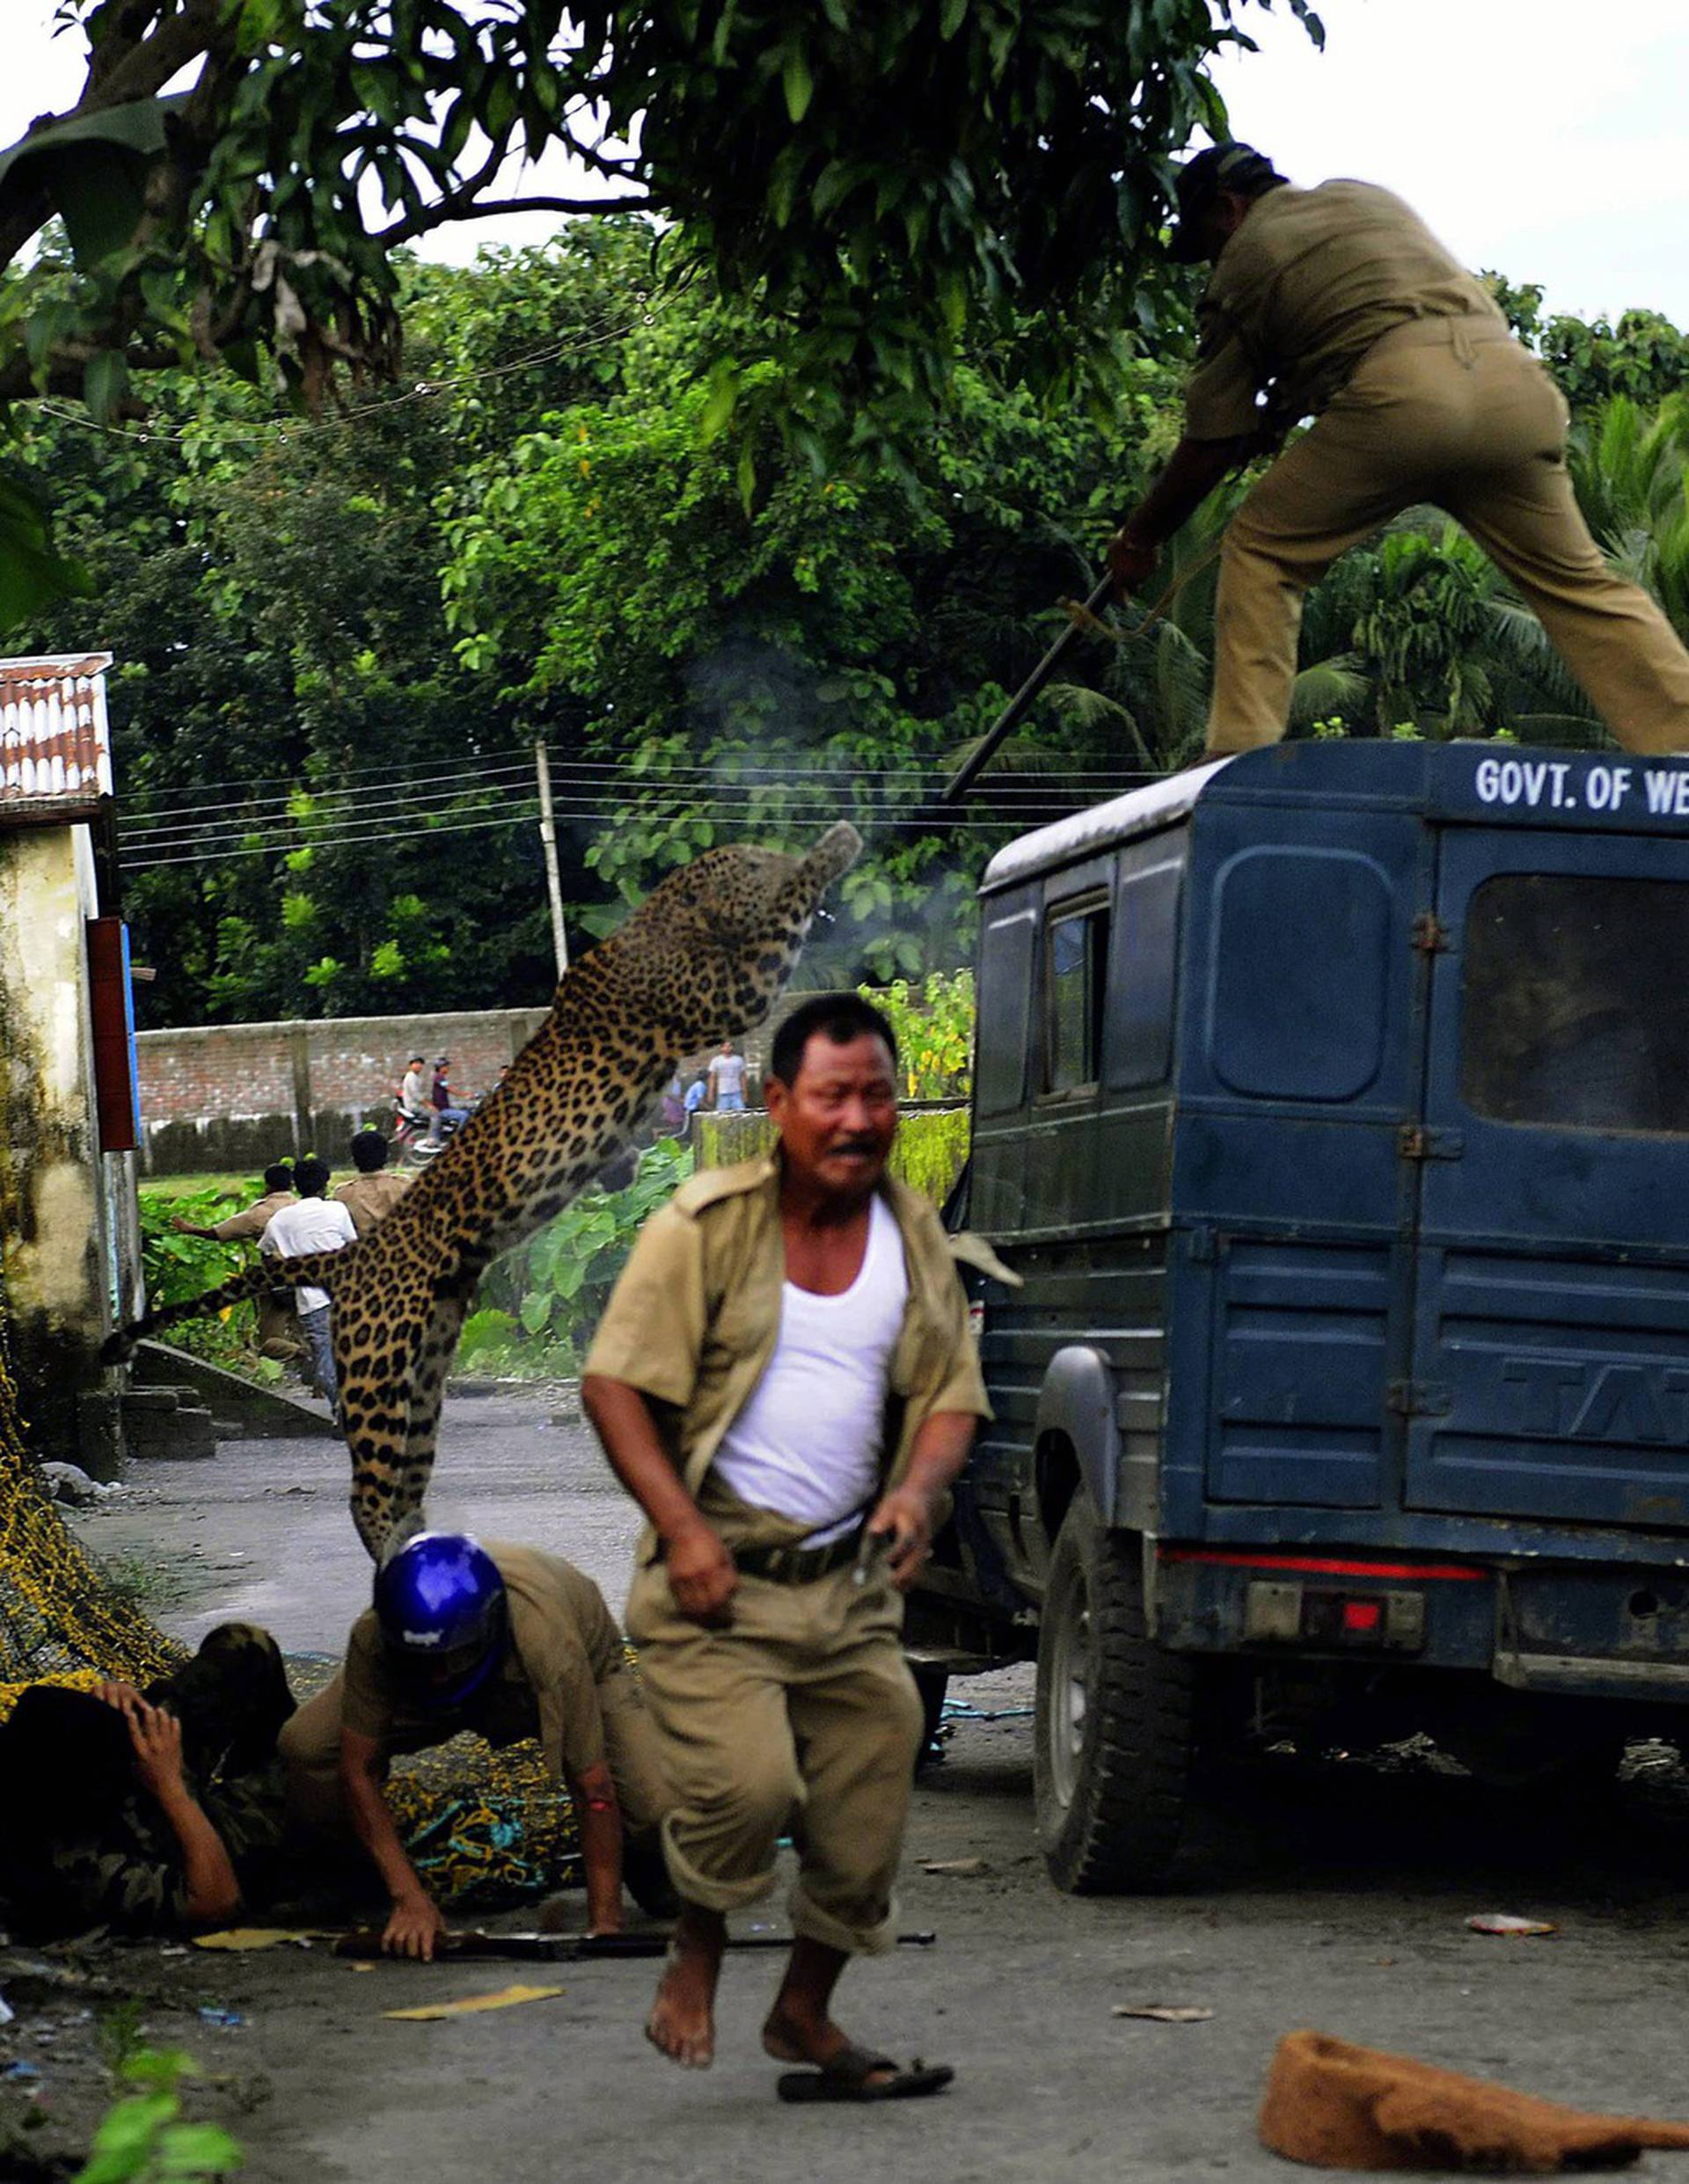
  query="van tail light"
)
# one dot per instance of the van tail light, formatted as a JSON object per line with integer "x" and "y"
{"x": 1393, "y": 1621}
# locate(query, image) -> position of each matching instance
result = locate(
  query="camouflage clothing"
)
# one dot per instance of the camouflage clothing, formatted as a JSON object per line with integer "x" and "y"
{"x": 127, "y": 1875}
{"x": 83, "y": 1844}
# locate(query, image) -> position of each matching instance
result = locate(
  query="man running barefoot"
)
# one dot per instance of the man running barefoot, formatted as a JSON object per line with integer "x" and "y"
{"x": 784, "y": 1381}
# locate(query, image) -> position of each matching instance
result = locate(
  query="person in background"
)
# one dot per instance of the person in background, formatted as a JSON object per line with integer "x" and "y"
{"x": 672, "y": 1122}
{"x": 446, "y": 1109}
{"x": 374, "y": 1190}
{"x": 697, "y": 1092}
{"x": 278, "y": 1324}
{"x": 315, "y": 1223}
{"x": 728, "y": 1078}
{"x": 414, "y": 1091}
{"x": 508, "y": 1643}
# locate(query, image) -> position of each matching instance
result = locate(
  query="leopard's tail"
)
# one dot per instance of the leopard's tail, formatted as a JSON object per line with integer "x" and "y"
{"x": 319, "y": 1269}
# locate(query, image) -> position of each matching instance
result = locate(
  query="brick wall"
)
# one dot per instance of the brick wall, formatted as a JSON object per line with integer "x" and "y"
{"x": 220, "y": 1098}
{"x": 215, "y": 1097}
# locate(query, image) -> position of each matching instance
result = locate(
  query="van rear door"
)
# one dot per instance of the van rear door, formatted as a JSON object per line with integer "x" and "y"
{"x": 1551, "y": 1336}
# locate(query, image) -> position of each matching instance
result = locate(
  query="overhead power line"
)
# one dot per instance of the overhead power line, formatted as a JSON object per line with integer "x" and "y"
{"x": 527, "y": 817}
{"x": 339, "y": 817}
{"x": 282, "y": 428}
{"x": 606, "y": 770}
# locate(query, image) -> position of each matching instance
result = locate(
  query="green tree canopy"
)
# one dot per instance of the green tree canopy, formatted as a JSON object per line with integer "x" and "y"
{"x": 882, "y": 181}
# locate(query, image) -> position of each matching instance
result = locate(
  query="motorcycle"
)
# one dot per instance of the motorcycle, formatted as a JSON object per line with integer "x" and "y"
{"x": 411, "y": 1134}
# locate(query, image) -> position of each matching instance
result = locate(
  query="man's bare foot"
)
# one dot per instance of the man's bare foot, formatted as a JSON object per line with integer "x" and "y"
{"x": 681, "y": 2023}
{"x": 790, "y": 2038}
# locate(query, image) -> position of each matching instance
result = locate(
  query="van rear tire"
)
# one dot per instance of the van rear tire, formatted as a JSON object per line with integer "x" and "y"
{"x": 1114, "y": 1724}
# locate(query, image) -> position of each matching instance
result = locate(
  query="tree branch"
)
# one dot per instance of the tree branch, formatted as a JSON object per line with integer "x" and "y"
{"x": 145, "y": 71}
{"x": 64, "y": 370}
{"x": 453, "y": 208}
{"x": 115, "y": 77}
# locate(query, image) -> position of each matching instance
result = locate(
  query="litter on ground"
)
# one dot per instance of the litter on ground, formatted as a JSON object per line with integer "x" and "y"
{"x": 466, "y": 2006}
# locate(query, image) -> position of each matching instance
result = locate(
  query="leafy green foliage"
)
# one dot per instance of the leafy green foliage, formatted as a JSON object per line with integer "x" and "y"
{"x": 1644, "y": 356}
{"x": 143, "y": 2139}
{"x": 877, "y": 185}
{"x": 933, "y": 1024}
{"x": 176, "y": 1268}
{"x": 537, "y": 1306}
{"x": 548, "y": 532}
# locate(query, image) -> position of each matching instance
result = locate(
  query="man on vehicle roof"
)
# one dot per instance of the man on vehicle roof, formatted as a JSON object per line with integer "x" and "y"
{"x": 1340, "y": 303}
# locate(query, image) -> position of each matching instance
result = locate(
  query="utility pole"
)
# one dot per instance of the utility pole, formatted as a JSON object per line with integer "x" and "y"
{"x": 548, "y": 841}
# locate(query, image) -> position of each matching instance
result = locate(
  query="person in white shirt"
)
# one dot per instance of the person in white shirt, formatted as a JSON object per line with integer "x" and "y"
{"x": 314, "y": 1223}
{"x": 413, "y": 1093}
{"x": 727, "y": 1079}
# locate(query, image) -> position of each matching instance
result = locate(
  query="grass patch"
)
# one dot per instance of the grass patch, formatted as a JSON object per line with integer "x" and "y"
{"x": 240, "y": 1185}
{"x": 142, "y": 1583}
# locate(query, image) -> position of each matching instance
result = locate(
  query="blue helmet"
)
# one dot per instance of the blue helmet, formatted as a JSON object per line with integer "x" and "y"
{"x": 441, "y": 1606}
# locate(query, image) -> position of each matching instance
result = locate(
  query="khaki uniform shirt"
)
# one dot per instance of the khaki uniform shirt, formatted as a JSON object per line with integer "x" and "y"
{"x": 368, "y": 1198}
{"x": 694, "y": 1318}
{"x": 1302, "y": 289}
{"x": 255, "y": 1220}
{"x": 565, "y": 1644}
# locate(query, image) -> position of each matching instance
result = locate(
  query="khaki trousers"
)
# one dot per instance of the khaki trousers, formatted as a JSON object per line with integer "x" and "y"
{"x": 310, "y": 1745}
{"x": 802, "y": 1714}
{"x": 1454, "y": 412}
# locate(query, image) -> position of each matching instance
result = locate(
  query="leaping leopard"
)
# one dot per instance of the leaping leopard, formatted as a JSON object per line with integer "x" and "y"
{"x": 703, "y": 959}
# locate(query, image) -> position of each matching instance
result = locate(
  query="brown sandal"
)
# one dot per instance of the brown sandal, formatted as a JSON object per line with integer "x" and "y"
{"x": 852, "y": 2074}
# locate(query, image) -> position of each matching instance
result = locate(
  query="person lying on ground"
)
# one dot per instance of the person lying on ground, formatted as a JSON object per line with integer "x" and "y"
{"x": 509, "y": 1643}
{"x": 150, "y": 1812}
{"x": 774, "y": 1320}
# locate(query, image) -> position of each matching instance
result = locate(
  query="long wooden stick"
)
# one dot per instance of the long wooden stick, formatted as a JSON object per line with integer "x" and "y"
{"x": 1082, "y": 622}
{"x": 1014, "y": 712}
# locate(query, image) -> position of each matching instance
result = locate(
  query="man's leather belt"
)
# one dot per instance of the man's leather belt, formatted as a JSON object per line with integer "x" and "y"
{"x": 797, "y": 1566}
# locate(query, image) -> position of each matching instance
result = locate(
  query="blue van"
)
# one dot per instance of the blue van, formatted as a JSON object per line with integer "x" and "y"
{"x": 1332, "y": 1104}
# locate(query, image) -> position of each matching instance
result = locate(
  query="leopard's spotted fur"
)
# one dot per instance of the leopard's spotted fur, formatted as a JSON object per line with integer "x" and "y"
{"x": 702, "y": 959}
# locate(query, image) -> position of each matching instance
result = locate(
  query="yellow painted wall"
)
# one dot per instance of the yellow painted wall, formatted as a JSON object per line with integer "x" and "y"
{"x": 57, "y": 1228}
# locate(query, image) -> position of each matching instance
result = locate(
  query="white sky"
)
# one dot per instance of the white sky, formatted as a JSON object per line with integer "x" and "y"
{"x": 1543, "y": 138}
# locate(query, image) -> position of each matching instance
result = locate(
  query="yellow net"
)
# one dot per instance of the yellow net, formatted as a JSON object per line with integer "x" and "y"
{"x": 60, "y": 1617}
{"x": 483, "y": 1826}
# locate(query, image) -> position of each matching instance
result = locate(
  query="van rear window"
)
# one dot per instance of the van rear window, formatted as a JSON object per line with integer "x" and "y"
{"x": 1575, "y": 1002}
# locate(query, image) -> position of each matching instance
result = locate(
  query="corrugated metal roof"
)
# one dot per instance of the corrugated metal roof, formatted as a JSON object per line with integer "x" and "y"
{"x": 53, "y": 737}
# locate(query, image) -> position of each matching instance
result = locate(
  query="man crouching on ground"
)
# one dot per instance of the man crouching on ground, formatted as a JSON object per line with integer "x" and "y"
{"x": 786, "y": 1356}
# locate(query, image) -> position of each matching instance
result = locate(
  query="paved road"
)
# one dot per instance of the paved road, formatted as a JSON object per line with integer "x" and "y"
{"x": 1331, "y": 1894}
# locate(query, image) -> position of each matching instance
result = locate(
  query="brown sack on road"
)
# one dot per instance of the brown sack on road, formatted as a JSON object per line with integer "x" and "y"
{"x": 1335, "y": 2106}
